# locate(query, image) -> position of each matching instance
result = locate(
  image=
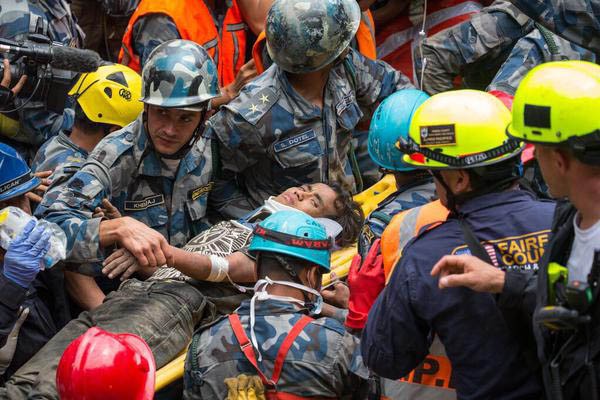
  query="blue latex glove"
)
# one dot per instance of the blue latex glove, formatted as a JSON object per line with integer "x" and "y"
{"x": 23, "y": 259}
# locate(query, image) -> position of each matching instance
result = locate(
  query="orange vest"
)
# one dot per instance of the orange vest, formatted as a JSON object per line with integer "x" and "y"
{"x": 397, "y": 40}
{"x": 194, "y": 22}
{"x": 404, "y": 227}
{"x": 365, "y": 38}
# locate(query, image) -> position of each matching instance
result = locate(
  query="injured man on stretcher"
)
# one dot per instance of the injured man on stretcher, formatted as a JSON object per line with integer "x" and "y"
{"x": 165, "y": 309}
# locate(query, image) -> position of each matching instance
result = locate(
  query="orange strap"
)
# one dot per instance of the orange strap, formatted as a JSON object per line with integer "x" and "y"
{"x": 248, "y": 351}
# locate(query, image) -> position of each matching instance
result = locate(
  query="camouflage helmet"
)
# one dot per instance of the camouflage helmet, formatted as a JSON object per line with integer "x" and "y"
{"x": 305, "y": 36}
{"x": 179, "y": 74}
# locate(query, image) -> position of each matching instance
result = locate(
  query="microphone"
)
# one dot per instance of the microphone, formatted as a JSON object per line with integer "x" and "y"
{"x": 59, "y": 57}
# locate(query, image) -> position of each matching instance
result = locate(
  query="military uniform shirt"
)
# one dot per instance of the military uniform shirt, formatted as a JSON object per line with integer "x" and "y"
{"x": 57, "y": 151}
{"x": 324, "y": 361}
{"x": 273, "y": 138}
{"x": 530, "y": 51}
{"x": 124, "y": 168}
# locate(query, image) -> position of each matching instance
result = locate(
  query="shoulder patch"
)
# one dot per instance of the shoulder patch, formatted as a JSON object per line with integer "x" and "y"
{"x": 113, "y": 146}
{"x": 253, "y": 106}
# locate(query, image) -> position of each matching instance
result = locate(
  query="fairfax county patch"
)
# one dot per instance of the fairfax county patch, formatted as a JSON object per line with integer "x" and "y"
{"x": 438, "y": 135}
{"x": 294, "y": 141}
{"x": 195, "y": 194}
{"x": 143, "y": 204}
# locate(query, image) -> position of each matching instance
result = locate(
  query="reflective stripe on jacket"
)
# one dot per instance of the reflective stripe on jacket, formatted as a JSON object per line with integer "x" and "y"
{"x": 397, "y": 40}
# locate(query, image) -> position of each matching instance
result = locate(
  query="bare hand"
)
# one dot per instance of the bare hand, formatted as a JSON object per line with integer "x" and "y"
{"x": 122, "y": 262}
{"x": 246, "y": 73}
{"x": 338, "y": 297}
{"x": 6, "y": 78}
{"x": 106, "y": 211}
{"x": 37, "y": 194}
{"x": 149, "y": 247}
{"x": 470, "y": 272}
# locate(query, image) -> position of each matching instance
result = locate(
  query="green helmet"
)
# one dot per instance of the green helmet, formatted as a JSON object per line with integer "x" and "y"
{"x": 305, "y": 36}
{"x": 556, "y": 103}
{"x": 179, "y": 74}
{"x": 294, "y": 234}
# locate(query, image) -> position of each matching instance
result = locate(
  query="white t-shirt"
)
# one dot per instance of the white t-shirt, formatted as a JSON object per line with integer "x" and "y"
{"x": 585, "y": 244}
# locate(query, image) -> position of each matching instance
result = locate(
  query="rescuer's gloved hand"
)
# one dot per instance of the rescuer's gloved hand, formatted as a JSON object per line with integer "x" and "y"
{"x": 245, "y": 387}
{"x": 23, "y": 259}
{"x": 365, "y": 281}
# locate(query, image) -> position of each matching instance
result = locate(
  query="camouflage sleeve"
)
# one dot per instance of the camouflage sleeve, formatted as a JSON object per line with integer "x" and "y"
{"x": 352, "y": 369}
{"x": 576, "y": 20}
{"x": 374, "y": 80}
{"x": 239, "y": 148}
{"x": 150, "y": 31}
{"x": 484, "y": 37}
{"x": 533, "y": 50}
{"x": 71, "y": 203}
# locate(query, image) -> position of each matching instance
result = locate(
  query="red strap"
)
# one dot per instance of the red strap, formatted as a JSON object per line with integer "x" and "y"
{"x": 246, "y": 346}
{"x": 248, "y": 351}
{"x": 287, "y": 343}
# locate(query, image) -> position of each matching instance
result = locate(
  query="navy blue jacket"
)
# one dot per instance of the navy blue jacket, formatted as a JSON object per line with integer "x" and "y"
{"x": 483, "y": 344}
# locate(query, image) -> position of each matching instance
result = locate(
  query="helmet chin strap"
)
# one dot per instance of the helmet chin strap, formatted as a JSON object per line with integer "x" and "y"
{"x": 179, "y": 154}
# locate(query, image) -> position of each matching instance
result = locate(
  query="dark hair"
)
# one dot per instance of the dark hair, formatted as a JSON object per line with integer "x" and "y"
{"x": 349, "y": 215}
{"x": 496, "y": 177}
{"x": 86, "y": 125}
{"x": 280, "y": 266}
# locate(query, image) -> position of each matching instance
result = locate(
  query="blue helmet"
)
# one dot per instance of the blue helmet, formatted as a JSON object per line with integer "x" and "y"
{"x": 295, "y": 234}
{"x": 15, "y": 175}
{"x": 390, "y": 121}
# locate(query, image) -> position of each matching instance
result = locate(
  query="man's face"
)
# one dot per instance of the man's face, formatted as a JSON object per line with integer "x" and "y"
{"x": 170, "y": 128}
{"x": 317, "y": 199}
{"x": 551, "y": 163}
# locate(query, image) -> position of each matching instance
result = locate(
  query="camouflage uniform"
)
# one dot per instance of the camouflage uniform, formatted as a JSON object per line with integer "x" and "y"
{"x": 533, "y": 50}
{"x": 478, "y": 44}
{"x": 410, "y": 196}
{"x": 53, "y": 19}
{"x": 150, "y": 31}
{"x": 58, "y": 151}
{"x": 324, "y": 361}
{"x": 272, "y": 138}
{"x": 576, "y": 20}
{"x": 164, "y": 310}
{"x": 124, "y": 168}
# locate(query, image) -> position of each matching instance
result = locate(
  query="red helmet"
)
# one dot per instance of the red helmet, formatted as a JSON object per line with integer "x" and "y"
{"x": 102, "y": 365}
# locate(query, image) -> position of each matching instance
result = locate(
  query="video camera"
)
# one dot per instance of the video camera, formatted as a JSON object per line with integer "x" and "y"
{"x": 51, "y": 69}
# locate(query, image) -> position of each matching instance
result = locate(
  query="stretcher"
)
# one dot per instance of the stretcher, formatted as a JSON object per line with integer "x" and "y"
{"x": 340, "y": 261}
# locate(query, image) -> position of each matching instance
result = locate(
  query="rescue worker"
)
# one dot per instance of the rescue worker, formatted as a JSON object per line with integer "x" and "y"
{"x": 218, "y": 26}
{"x": 485, "y": 40}
{"x": 406, "y": 23}
{"x": 459, "y": 136}
{"x": 18, "y": 20}
{"x": 104, "y": 365}
{"x": 414, "y": 188}
{"x": 292, "y": 251}
{"x": 105, "y": 101}
{"x": 576, "y": 20}
{"x": 553, "y": 110}
{"x": 157, "y": 171}
{"x": 293, "y": 124}
{"x": 166, "y": 308}
{"x": 26, "y": 320}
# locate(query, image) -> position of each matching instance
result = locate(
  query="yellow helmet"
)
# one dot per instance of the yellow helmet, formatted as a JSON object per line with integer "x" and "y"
{"x": 558, "y": 102}
{"x": 459, "y": 129}
{"x": 110, "y": 95}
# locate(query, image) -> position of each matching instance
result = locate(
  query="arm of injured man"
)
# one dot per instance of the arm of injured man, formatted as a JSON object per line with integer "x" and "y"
{"x": 242, "y": 268}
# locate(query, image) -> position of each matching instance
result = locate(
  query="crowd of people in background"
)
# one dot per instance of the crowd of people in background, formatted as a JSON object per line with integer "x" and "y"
{"x": 201, "y": 179}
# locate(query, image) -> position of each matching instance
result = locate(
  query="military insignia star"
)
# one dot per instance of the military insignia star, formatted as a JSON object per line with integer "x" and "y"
{"x": 264, "y": 98}
{"x": 253, "y": 108}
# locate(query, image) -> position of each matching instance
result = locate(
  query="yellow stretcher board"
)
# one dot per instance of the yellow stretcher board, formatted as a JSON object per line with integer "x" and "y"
{"x": 340, "y": 262}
